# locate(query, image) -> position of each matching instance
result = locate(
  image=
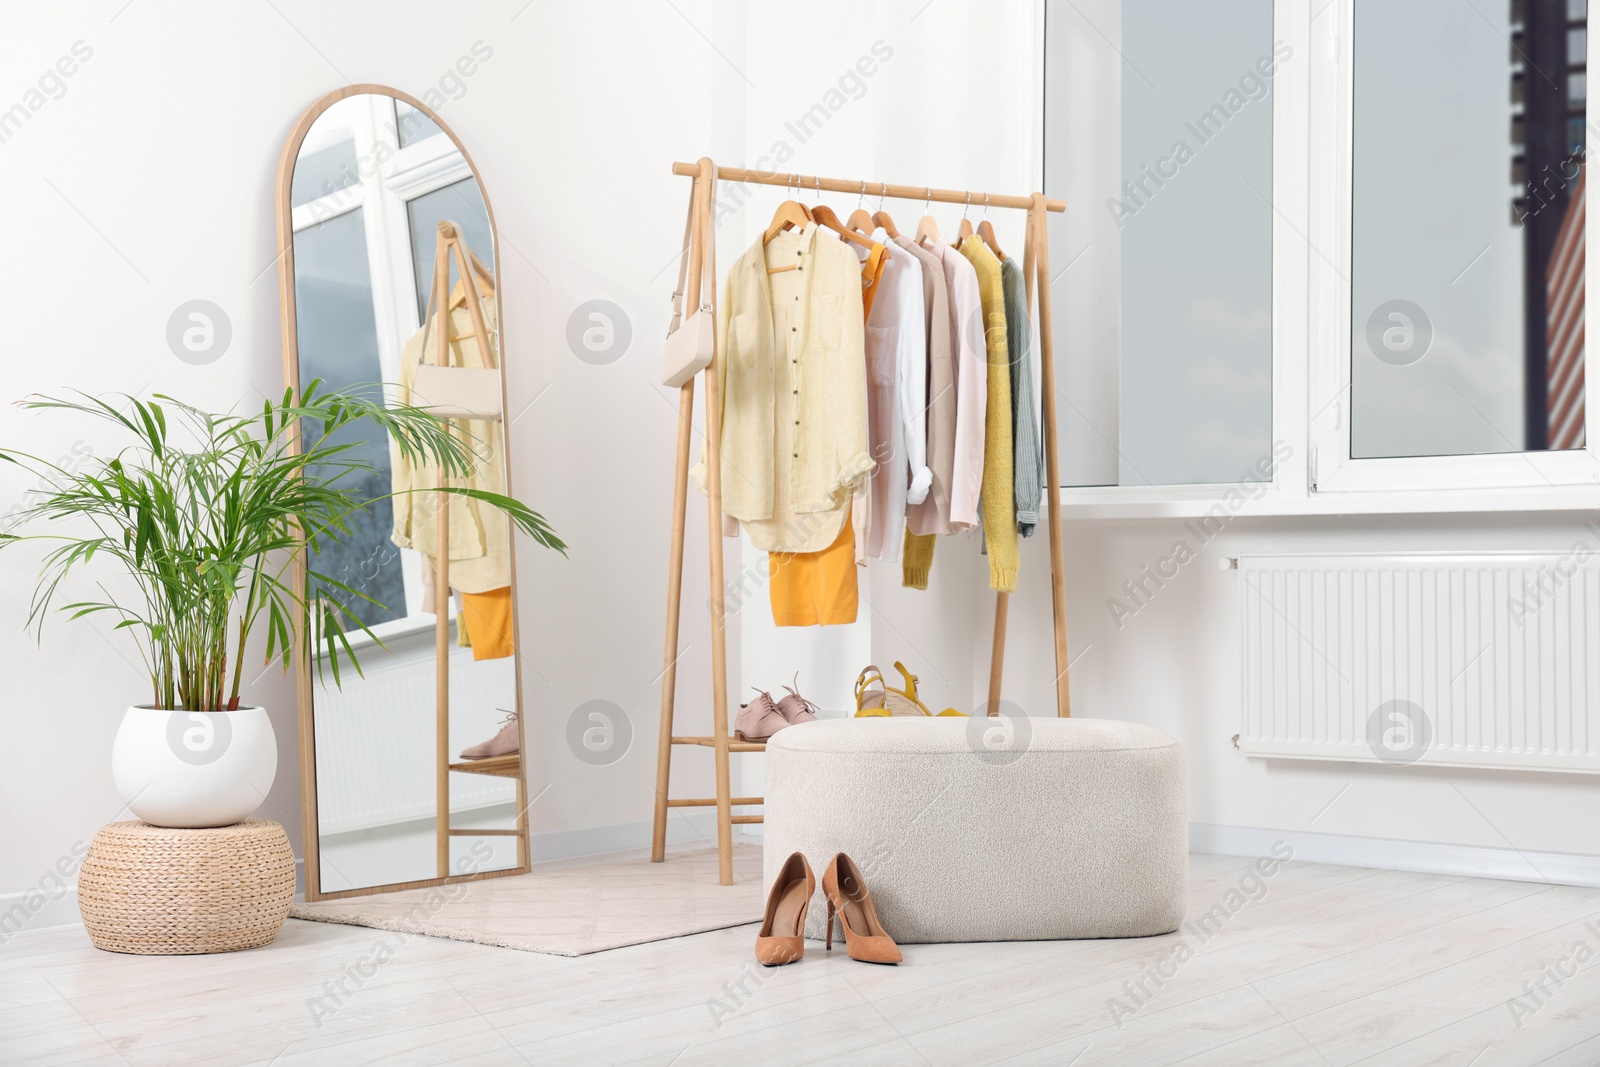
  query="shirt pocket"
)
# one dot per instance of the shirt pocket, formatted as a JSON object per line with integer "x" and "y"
{"x": 827, "y": 322}
{"x": 743, "y": 340}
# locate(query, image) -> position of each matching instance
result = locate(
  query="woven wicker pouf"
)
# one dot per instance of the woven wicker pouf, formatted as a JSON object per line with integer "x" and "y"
{"x": 165, "y": 892}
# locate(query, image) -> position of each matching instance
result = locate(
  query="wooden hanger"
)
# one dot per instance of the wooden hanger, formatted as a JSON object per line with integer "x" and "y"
{"x": 860, "y": 219}
{"x": 986, "y": 231}
{"x": 927, "y": 227}
{"x": 789, "y": 213}
{"x": 964, "y": 230}
{"x": 879, "y": 217}
{"x": 824, "y": 215}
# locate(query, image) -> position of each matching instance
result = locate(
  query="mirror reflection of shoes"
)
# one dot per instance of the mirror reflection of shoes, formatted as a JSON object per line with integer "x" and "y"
{"x": 759, "y": 719}
{"x": 503, "y": 743}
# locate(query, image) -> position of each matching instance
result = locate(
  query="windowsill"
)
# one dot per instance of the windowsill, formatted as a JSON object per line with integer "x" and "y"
{"x": 1191, "y": 501}
{"x": 397, "y": 629}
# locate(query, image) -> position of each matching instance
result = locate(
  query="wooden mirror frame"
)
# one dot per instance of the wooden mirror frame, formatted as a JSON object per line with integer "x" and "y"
{"x": 291, "y": 374}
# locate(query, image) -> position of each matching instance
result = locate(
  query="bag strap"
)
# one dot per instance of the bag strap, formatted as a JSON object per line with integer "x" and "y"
{"x": 708, "y": 274}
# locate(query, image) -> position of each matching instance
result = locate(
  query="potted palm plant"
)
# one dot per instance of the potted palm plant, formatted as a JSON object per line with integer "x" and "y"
{"x": 196, "y": 521}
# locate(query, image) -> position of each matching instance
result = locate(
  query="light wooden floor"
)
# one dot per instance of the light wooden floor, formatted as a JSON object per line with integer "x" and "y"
{"x": 1330, "y": 965}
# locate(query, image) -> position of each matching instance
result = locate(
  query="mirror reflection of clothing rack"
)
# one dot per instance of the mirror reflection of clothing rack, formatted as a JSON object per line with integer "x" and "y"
{"x": 1036, "y": 272}
{"x": 450, "y": 246}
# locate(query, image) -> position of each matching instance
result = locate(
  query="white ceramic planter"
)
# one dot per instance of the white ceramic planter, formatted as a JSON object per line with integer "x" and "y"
{"x": 194, "y": 768}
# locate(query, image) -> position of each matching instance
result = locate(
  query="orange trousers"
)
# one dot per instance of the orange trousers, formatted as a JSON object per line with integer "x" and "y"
{"x": 486, "y": 619}
{"x": 815, "y": 588}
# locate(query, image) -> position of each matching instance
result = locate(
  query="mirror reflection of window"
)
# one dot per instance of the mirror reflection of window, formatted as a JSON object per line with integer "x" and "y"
{"x": 338, "y": 342}
{"x": 329, "y": 160}
{"x": 412, "y": 125}
{"x": 1467, "y": 246}
{"x": 460, "y": 203}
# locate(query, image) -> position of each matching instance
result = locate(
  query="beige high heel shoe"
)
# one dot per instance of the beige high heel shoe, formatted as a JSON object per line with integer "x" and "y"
{"x": 782, "y": 938}
{"x": 865, "y": 939}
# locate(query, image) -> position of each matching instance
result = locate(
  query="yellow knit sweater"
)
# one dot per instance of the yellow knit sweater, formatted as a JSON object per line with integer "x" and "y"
{"x": 998, "y": 494}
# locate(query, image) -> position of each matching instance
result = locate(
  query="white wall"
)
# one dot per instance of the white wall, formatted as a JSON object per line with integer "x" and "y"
{"x": 150, "y": 182}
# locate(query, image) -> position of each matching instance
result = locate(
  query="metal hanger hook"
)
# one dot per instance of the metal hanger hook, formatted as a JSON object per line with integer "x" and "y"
{"x": 862, "y": 199}
{"x": 986, "y": 205}
{"x": 883, "y": 195}
{"x": 927, "y": 205}
{"x": 967, "y": 208}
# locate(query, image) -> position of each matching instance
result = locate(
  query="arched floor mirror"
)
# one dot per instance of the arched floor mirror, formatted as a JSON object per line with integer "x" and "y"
{"x": 412, "y": 771}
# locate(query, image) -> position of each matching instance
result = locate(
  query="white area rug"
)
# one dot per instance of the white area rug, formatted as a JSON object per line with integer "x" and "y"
{"x": 570, "y": 907}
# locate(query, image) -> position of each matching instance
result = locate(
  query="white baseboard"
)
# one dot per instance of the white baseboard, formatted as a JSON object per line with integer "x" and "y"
{"x": 1478, "y": 861}
{"x": 35, "y": 909}
{"x": 683, "y": 828}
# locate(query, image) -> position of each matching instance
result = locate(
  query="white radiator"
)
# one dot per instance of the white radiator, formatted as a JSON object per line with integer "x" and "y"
{"x": 375, "y": 737}
{"x": 1483, "y": 660}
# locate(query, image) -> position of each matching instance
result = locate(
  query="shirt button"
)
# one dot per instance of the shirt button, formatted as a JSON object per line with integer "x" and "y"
{"x": 796, "y": 392}
{"x": 796, "y": 455}
{"x": 794, "y": 329}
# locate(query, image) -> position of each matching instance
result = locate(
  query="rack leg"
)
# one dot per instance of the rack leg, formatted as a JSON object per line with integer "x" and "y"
{"x": 1047, "y": 377}
{"x": 441, "y": 632}
{"x": 669, "y": 666}
{"x": 719, "y": 633}
{"x": 997, "y": 657}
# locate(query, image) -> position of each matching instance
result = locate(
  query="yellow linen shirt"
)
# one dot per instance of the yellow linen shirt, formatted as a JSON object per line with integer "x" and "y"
{"x": 790, "y": 463}
{"x": 480, "y": 536}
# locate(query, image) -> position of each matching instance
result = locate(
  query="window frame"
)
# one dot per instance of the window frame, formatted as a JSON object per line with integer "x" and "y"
{"x": 1313, "y": 181}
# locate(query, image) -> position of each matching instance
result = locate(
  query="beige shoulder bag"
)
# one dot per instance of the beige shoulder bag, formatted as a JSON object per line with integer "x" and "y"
{"x": 446, "y": 390}
{"x": 689, "y": 343}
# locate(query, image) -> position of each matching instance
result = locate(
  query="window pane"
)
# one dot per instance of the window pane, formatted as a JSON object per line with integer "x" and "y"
{"x": 461, "y": 203}
{"x": 1195, "y": 218}
{"x": 412, "y": 125}
{"x": 338, "y": 341}
{"x": 323, "y": 171}
{"x": 1467, "y": 241}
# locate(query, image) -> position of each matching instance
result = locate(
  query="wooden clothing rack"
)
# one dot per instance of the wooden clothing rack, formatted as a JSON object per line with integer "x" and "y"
{"x": 1036, "y": 272}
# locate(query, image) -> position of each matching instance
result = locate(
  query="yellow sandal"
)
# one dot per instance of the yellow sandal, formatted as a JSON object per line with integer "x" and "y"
{"x": 876, "y": 698}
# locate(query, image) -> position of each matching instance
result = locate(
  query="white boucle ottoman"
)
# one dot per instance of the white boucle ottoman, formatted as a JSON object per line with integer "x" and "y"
{"x": 1072, "y": 828}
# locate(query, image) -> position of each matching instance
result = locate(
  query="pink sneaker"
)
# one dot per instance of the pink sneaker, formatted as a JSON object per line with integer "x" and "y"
{"x": 759, "y": 719}
{"x": 503, "y": 743}
{"x": 795, "y": 708}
